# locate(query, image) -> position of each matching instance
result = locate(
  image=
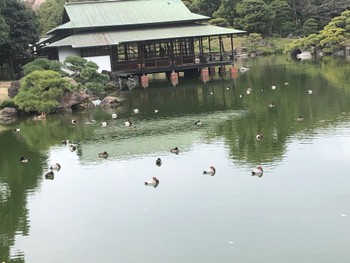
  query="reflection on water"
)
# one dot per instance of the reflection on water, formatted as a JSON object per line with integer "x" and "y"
{"x": 94, "y": 206}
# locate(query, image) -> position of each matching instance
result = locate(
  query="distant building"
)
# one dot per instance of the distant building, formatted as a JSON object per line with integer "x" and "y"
{"x": 139, "y": 37}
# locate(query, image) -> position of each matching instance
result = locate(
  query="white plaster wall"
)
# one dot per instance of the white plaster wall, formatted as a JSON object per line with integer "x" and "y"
{"x": 103, "y": 62}
{"x": 64, "y": 52}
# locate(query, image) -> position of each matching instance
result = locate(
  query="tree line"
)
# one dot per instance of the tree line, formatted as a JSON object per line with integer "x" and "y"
{"x": 21, "y": 26}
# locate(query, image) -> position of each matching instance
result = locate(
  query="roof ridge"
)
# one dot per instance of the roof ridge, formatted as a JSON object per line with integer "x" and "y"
{"x": 100, "y": 1}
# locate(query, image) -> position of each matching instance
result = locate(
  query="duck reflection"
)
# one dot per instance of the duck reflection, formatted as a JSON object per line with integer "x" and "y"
{"x": 50, "y": 175}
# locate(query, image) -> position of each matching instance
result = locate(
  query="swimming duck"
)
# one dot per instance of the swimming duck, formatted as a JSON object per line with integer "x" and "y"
{"x": 300, "y": 118}
{"x": 309, "y": 92}
{"x": 55, "y": 167}
{"x": 259, "y": 136}
{"x": 104, "y": 123}
{"x": 159, "y": 162}
{"x": 258, "y": 171}
{"x": 271, "y": 105}
{"x": 65, "y": 142}
{"x": 249, "y": 90}
{"x": 211, "y": 93}
{"x": 136, "y": 111}
{"x": 103, "y": 154}
{"x": 155, "y": 111}
{"x": 198, "y": 123}
{"x": 72, "y": 148}
{"x": 114, "y": 115}
{"x": 25, "y": 160}
{"x": 50, "y": 175}
{"x": 153, "y": 182}
{"x": 286, "y": 83}
{"x": 127, "y": 123}
{"x": 273, "y": 87}
{"x": 243, "y": 69}
{"x": 74, "y": 122}
{"x": 174, "y": 150}
{"x": 211, "y": 171}
{"x": 17, "y": 129}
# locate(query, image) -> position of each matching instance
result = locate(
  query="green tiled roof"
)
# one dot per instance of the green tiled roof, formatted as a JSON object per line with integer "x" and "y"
{"x": 126, "y": 12}
{"x": 125, "y": 36}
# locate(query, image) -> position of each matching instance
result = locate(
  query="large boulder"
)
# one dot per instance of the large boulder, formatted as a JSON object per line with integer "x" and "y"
{"x": 14, "y": 89}
{"x": 8, "y": 112}
{"x": 112, "y": 101}
{"x": 72, "y": 100}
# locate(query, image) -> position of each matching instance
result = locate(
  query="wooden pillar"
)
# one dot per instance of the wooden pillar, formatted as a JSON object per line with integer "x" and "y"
{"x": 174, "y": 78}
{"x": 144, "y": 81}
{"x": 220, "y": 44}
{"x": 209, "y": 48}
{"x": 232, "y": 51}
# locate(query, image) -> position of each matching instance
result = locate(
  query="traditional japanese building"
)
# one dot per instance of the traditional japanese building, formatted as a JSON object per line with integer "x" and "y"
{"x": 139, "y": 37}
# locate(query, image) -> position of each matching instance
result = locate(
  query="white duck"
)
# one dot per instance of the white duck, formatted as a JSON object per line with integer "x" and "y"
{"x": 309, "y": 91}
{"x": 136, "y": 111}
{"x": 127, "y": 123}
{"x": 104, "y": 123}
{"x": 114, "y": 115}
{"x": 259, "y": 136}
{"x": 243, "y": 69}
{"x": 153, "y": 182}
{"x": 74, "y": 122}
{"x": 55, "y": 167}
{"x": 16, "y": 129}
{"x": 198, "y": 123}
{"x": 211, "y": 171}
{"x": 258, "y": 171}
{"x": 273, "y": 87}
{"x": 25, "y": 160}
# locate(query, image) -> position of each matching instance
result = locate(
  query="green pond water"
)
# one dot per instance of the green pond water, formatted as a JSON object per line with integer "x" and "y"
{"x": 99, "y": 210}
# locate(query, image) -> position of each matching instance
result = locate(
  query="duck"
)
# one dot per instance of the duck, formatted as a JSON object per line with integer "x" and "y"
{"x": 198, "y": 123}
{"x": 261, "y": 90}
{"x": 55, "y": 167}
{"x": 155, "y": 111}
{"x": 243, "y": 69}
{"x": 50, "y": 175}
{"x": 258, "y": 171}
{"x": 249, "y": 90}
{"x": 72, "y": 148}
{"x": 227, "y": 88}
{"x": 159, "y": 162}
{"x": 273, "y": 87}
{"x": 300, "y": 118}
{"x": 74, "y": 122}
{"x": 136, "y": 111}
{"x": 104, "y": 123}
{"x": 17, "y": 129}
{"x": 211, "y": 171}
{"x": 241, "y": 95}
{"x": 286, "y": 83}
{"x": 174, "y": 150}
{"x": 127, "y": 123}
{"x": 153, "y": 182}
{"x": 65, "y": 142}
{"x": 103, "y": 154}
{"x": 309, "y": 91}
{"x": 25, "y": 160}
{"x": 114, "y": 115}
{"x": 211, "y": 93}
{"x": 271, "y": 105}
{"x": 259, "y": 136}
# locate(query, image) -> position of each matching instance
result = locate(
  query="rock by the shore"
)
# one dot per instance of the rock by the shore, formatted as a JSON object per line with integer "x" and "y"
{"x": 112, "y": 101}
{"x": 8, "y": 112}
{"x": 71, "y": 100}
{"x": 14, "y": 89}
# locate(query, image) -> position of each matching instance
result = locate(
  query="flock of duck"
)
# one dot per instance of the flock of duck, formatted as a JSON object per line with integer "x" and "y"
{"x": 155, "y": 181}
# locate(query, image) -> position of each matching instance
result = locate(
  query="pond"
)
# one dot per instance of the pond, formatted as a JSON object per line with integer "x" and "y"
{"x": 99, "y": 209}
